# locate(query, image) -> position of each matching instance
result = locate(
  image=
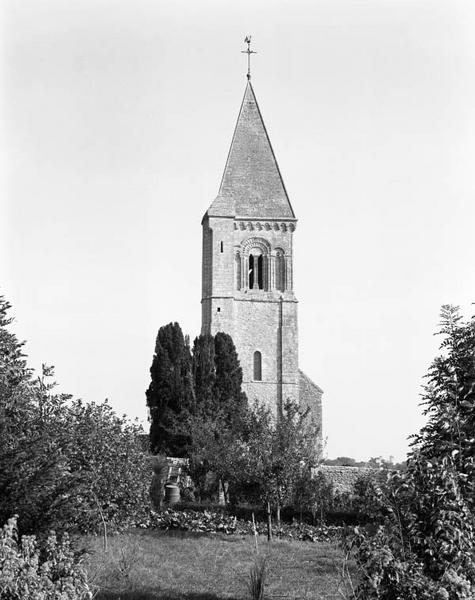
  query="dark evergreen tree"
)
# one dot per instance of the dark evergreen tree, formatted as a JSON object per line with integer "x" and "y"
{"x": 227, "y": 387}
{"x": 217, "y": 377}
{"x": 170, "y": 394}
{"x": 204, "y": 375}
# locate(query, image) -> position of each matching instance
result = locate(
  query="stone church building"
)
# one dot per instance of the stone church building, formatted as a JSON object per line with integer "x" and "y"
{"x": 247, "y": 276}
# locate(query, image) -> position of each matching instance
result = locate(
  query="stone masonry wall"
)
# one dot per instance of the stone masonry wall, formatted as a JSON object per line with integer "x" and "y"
{"x": 344, "y": 478}
{"x": 263, "y": 320}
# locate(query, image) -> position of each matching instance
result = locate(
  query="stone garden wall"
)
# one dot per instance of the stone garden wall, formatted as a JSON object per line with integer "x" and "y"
{"x": 344, "y": 478}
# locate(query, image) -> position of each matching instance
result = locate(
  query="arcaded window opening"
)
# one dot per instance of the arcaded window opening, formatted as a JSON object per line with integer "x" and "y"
{"x": 256, "y": 272}
{"x": 257, "y": 366}
{"x": 255, "y": 264}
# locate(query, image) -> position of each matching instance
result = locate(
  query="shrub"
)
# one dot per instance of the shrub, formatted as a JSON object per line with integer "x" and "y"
{"x": 424, "y": 548}
{"x": 30, "y": 571}
{"x": 257, "y": 579}
{"x": 314, "y": 494}
{"x": 63, "y": 463}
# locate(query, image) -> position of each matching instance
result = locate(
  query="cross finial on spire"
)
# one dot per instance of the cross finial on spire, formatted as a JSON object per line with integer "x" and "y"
{"x": 247, "y": 40}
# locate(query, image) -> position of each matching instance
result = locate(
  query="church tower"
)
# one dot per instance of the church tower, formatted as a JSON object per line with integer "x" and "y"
{"x": 247, "y": 270}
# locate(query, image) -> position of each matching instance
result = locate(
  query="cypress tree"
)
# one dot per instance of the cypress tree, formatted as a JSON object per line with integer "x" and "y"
{"x": 204, "y": 375}
{"x": 227, "y": 387}
{"x": 170, "y": 393}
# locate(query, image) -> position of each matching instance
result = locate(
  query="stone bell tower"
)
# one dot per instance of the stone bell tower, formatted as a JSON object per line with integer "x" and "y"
{"x": 247, "y": 276}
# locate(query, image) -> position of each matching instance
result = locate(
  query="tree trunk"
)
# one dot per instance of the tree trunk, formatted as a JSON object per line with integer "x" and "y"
{"x": 278, "y": 515}
{"x": 269, "y": 523}
{"x": 225, "y": 485}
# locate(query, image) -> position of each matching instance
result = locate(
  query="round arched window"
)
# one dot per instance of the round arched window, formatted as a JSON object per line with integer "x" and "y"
{"x": 257, "y": 366}
{"x": 256, "y": 269}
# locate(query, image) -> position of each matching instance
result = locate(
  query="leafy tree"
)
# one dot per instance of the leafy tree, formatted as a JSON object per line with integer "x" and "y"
{"x": 34, "y": 472}
{"x": 170, "y": 393}
{"x": 113, "y": 474}
{"x": 216, "y": 447}
{"x": 277, "y": 452}
{"x": 63, "y": 463}
{"x": 449, "y": 400}
{"x": 424, "y": 547}
{"x": 314, "y": 493}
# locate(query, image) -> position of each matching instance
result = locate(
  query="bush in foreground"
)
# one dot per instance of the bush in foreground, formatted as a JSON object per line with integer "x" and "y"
{"x": 424, "y": 548}
{"x": 33, "y": 571}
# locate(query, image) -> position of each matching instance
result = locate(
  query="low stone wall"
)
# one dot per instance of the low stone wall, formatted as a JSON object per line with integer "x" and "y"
{"x": 344, "y": 478}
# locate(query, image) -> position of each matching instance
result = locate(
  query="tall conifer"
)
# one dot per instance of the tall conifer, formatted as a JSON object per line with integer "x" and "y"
{"x": 227, "y": 387}
{"x": 170, "y": 393}
{"x": 204, "y": 375}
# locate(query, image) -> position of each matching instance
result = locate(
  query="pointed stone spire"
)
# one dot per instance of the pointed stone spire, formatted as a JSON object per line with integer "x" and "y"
{"x": 251, "y": 185}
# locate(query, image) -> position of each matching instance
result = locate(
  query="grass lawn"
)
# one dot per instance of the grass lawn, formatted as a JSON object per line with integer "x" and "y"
{"x": 153, "y": 565}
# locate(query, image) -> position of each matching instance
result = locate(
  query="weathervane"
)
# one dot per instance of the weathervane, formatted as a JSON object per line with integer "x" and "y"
{"x": 247, "y": 41}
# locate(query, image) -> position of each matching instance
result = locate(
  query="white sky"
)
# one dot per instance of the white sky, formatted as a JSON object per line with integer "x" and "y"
{"x": 116, "y": 122}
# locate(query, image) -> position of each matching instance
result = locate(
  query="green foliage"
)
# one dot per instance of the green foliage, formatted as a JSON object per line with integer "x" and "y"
{"x": 217, "y": 378}
{"x": 257, "y": 579}
{"x": 274, "y": 453}
{"x": 449, "y": 400}
{"x": 204, "y": 376}
{"x": 63, "y": 463}
{"x": 230, "y": 399}
{"x": 424, "y": 548}
{"x": 313, "y": 493}
{"x": 220, "y": 521}
{"x": 215, "y": 427}
{"x": 114, "y": 474}
{"x": 196, "y": 402}
{"x": 170, "y": 393}
{"x": 366, "y": 497}
{"x": 245, "y": 449}
{"x": 33, "y": 571}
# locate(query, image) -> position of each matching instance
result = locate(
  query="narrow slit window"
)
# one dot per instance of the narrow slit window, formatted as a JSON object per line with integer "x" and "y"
{"x": 222, "y": 247}
{"x": 257, "y": 366}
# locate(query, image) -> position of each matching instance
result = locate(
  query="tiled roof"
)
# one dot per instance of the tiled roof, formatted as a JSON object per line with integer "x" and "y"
{"x": 307, "y": 387}
{"x": 251, "y": 185}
